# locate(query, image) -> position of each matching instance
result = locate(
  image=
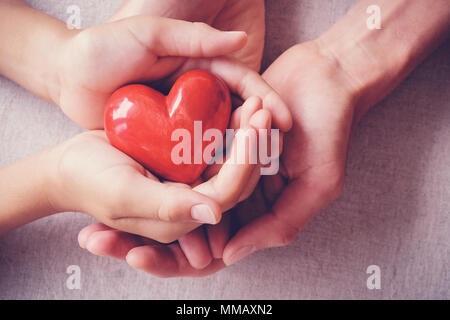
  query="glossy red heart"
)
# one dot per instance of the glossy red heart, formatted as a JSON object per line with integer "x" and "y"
{"x": 140, "y": 121}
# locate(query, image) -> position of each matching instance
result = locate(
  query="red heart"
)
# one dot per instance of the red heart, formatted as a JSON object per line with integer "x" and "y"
{"x": 140, "y": 121}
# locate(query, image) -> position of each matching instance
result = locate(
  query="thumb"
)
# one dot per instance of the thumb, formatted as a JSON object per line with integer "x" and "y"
{"x": 170, "y": 37}
{"x": 291, "y": 212}
{"x": 164, "y": 202}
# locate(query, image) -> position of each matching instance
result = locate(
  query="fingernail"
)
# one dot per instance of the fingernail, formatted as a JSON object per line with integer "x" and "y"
{"x": 241, "y": 254}
{"x": 236, "y": 32}
{"x": 203, "y": 214}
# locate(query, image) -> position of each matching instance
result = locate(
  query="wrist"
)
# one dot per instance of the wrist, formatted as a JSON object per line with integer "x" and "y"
{"x": 46, "y": 164}
{"x": 371, "y": 75}
{"x": 377, "y": 60}
{"x": 25, "y": 189}
{"x": 55, "y": 177}
{"x": 56, "y": 64}
{"x": 63, "y": 174}
{"x": 30, "y": 56}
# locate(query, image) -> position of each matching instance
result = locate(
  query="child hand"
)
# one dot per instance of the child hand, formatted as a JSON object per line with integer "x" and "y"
{"x": 97, "y": 61}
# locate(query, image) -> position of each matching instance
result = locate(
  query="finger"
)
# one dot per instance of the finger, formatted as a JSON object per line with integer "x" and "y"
{"x": 102, "y": 240}
{"x": 236, "y": 119}
{"x": 274, "y": 150}
{"x": 251, "y": 184}
{"x": 281, "y": 226}
{"x": 86, "y": 232}
{"x": 211, "y": 171}
{"x": 167, "y": 261}
{"x": 246, "y": 83}
{"x": 153, "y": 200}
{"x": 262, "y": 120}
{"x": 161, "y": 231}
{"x": 184, "y": 10}
{"x": 227, "y": 186}
{"x": 195, "y": 248}
{"x": 112, "y": 243}
{"x": 248, "y": 110}
{"x": 218, "y": 236}
{"x": 214, "y": 168}
{"x": 161, "y": 69}
{"x": 170, "y": 37}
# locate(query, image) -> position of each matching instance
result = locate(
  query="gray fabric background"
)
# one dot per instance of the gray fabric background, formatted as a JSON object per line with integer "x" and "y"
{"x": 394, "y": 212}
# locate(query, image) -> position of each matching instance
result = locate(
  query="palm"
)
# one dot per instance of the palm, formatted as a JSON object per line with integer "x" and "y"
{"x": 84, "y": 92}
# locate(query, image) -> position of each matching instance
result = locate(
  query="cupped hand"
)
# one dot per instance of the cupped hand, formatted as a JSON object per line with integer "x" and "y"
{"x": 95, "y": 62}
{"x": 322, "y": 97}
{"x": 226, "y": 15}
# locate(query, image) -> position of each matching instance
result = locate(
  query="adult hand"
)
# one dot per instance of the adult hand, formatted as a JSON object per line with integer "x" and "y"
{"x": 329, "y": 84}
{"x": 322, "y": 99}
{"x": 226, "y": 15}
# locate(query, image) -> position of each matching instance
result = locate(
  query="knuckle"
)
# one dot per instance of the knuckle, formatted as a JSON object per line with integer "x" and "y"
{"x": 198, "y": 45}
{"x": 245, "y": 78}
{"x": 164, "y": 213}
{"x": 167, "y": 210}
{"x": 287, "y": 236}
{"x": 117, "y": 201}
